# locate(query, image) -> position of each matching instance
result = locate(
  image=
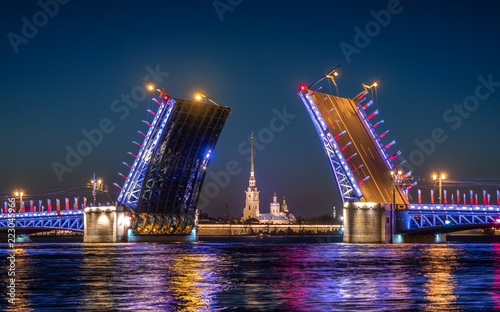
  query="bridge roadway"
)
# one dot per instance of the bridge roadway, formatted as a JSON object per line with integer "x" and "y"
{"x": 378, "y": 188}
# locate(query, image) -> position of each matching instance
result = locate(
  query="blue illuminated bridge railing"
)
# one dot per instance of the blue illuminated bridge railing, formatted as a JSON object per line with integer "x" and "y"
{"x": 446, "y": 218}
{"x": 46, "y": 220}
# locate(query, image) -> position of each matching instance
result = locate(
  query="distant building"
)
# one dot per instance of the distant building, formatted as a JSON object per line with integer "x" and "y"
{"x": 278, "y": 214}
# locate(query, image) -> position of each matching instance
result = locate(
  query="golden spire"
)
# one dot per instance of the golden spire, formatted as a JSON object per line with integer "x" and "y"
{"x": 251, "y": 166}
{"x": 252, "y": 173}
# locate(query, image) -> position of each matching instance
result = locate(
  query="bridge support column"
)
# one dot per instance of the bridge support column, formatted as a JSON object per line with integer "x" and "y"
{"x": 364, "y": 223}
{"x": 106, "y": 224}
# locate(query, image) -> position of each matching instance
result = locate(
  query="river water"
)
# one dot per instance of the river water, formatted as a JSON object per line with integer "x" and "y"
{"x": 248, "y": 274}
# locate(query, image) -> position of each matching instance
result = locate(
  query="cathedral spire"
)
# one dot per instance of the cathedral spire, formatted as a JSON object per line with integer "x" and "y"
{"x": 251, "y": 182}
{"x": 251, "y": 166}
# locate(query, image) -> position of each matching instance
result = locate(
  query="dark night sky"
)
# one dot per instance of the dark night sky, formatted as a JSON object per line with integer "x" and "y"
{"x": 65, "y": 78}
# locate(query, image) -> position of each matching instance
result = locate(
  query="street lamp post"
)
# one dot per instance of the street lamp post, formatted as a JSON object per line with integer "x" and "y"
{"x": 440, "y": 177}
{"x": 200, "y": 96}
{"x": 396, "y": 175}
{"x": 96, "y": 185}
{"x": 20, "y": 195}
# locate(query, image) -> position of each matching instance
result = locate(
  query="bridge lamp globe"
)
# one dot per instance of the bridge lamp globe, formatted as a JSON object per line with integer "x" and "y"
{"x": 443, "y": 177}
{"x": 434, "y": 177}
{"x": 375, "y": 84}
{"x": 150, "y": 87}
{"x": 400, "y": 172}
{"x": 335, "y": 74}
{"x": 198, "y": 97}
{"x": 392, "y": 173}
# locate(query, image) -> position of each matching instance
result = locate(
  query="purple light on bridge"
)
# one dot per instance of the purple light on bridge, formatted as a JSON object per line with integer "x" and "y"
{"x": 357, "y": 168}
{"x": 321, "y": 101}
{"x": 147, "y": 123}
{"x": 383, "y": 134}
{"x": 364, "y": 107}
{"x": 338, "y": 135}
{"x": 327, "y": 113}
{"x": 375, "y": 113}
{"x": 333, "y": 124}
{"x": 363, "y": 181}
{"x": 400, "y": 164}
{"x": 375, "y": 125}
{"x": 349, "y": 158}
{"x": 345, "y": 146}
{"x": 395, "y": 155}
{"x": 390, "y": 144}
{"x": 316, "y": 91}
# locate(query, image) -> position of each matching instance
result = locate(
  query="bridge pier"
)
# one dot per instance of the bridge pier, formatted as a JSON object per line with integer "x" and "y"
{"x": 365, "y": 223}
{"x": 106, "y": 224}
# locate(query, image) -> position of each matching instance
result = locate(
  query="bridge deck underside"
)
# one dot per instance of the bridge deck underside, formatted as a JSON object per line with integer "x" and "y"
{"x": 378, "y": 188}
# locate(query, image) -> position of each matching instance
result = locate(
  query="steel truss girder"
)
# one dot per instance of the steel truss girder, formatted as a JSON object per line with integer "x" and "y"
{"x": 348, "y": 187}
{"x": 129, "y": 195}
{"x": 423, "y": 219}
{"x": 73, "y": 222}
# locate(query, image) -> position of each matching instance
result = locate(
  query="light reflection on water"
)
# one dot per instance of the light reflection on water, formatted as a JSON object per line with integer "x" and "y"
{"x": 255, "y": 275}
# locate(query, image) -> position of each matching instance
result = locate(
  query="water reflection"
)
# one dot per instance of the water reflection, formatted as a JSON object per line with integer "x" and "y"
{"x": 150, "y": 276}
{"x": 22, "y": 276}
{"x": 439, "y": 265}
{"x": 496, "y": 276}
{"x": 255, "y": 276}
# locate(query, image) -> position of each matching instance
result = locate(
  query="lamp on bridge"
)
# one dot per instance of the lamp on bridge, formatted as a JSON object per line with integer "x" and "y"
{"x": 396, "y": 178}
{"x": 199, "y": 96}
{"x": 96, "y": 186}
{"x": 335, "y": 74}
{"x": 20, "y": 195}
{"x": 439, "y": 177}
{"x": 151, "y": 87}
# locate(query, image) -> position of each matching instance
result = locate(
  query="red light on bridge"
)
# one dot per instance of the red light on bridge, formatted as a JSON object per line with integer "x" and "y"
{"x": 302, "y": 87}
{"x": 497, "y": 220}
{"x": 165, "y": 97}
